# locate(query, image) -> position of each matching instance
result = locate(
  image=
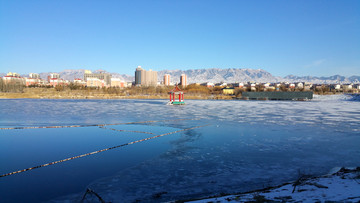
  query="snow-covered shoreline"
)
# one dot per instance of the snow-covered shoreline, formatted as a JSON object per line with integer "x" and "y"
{"x": 341, "y": 186}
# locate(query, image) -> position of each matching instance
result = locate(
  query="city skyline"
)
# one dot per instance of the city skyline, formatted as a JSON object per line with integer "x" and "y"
{"x": 317, "y": 38}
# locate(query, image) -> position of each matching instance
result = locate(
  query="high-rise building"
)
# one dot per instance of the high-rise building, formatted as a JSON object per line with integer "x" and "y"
{"x": 53, "y": 76}
{"x": 138, "y": 73}
{"x": 183, "y": 80}
{"x": 12, "y": 74}
{"x": 145, "y": 78}
{"x": 34, "y": 79}
{"x": 13, "y": 78}
{"x": 166, "y": 79}
{"x": 34, "y": 76}
{"x": 101, "y": 76}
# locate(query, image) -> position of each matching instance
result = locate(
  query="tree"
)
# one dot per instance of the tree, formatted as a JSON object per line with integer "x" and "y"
{"x": 11, "y": 86}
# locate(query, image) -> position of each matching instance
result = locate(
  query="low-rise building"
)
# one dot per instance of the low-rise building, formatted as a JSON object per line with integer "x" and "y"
{"x": 32, "y": 81}
{"x": 80, "y": 82}
{"x": 221, "y": 84}
{"x": 95, "y": 82}
{"x": 117, "y": 82}
{"x": 267, "y": 85}
{"x": 106, "y": 77}
{"x": 300, "y": 85}
{"x": 238, "y": 84}
{"x": 56, "y": 81}
{"x": 253, "y": 87}
{"x": 348, "y": 87}
{"x": 14, "y": 78}
{"x": 228, "y": 90}
{"x": 208, "y": 84}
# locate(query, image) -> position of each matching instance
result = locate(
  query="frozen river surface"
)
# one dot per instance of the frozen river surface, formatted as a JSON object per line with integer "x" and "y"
{"x": 247, "y": 145}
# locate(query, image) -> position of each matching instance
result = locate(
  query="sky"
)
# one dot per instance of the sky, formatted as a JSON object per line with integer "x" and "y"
{"x": 298, "y": 37}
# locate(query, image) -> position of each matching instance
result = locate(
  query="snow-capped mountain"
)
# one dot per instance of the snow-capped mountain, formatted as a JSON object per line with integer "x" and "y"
{"x": 69, "y": 74}
{"x": 323, "y": 80}
{"x": 216, "y": 75}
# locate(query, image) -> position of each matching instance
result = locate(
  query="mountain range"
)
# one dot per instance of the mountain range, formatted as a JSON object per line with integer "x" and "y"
{"x": 216, "y": 75}
{"x": 232, "y": 75}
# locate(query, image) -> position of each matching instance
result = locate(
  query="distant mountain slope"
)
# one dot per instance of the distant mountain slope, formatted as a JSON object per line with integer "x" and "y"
{"x": 323, "y": 80}
{"x": 126, "y": 78}
{"x": 69, "y": 74}
{"x": 220, "y": 75}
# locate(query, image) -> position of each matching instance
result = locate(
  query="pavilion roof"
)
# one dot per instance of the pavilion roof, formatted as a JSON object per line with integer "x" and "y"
{"x": 176, "y": 90}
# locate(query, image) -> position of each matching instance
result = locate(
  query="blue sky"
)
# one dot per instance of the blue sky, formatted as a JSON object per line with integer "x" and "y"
{"x": 313, "y": 37}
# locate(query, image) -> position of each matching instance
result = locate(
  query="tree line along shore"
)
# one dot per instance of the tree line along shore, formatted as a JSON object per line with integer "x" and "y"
{"x": 80, "y": 92}
{"x": 193, "y": 91}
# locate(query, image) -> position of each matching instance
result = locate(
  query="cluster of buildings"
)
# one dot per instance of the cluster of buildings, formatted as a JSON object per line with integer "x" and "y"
{"x": 284, "y": 86}
{"x": 90, "y": 79}
{"x": 53, "y": 79}
{"x": 167, "y": 80}
{"x": 101, "y": 79}
{"x": 150, "y": 78}
{"x": 34, "y": 79}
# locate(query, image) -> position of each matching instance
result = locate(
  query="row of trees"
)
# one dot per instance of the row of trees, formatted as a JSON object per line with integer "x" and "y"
{"x": 192, "y": 89}
{"x": 12, "y": 86}
{"x": 116, "y": 90}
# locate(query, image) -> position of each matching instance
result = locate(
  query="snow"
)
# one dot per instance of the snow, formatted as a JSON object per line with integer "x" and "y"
{"x": 336, "y": 97}
{"x": 342, "y": 186}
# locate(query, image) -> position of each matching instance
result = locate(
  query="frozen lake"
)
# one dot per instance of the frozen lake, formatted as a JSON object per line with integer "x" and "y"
{"x": 247, "y": 145}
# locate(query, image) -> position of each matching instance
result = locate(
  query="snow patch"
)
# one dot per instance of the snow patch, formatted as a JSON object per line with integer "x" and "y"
{"x": 342, "y": 186}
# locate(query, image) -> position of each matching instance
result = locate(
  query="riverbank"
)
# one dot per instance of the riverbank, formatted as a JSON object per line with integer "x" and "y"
{"x": 51, "y": 93}
{"x": 341, "y": 186}
{"x": 54, "y": 93}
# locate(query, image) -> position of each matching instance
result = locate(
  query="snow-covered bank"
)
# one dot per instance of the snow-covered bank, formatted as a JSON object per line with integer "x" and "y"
{"x": 342, "y": 186}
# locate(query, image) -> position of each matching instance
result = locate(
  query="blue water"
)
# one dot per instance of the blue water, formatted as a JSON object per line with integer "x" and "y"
{"x": 247, "y": 145}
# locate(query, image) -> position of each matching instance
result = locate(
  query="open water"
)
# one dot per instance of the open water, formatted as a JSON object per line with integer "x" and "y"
{"x": 246, "y": 145}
